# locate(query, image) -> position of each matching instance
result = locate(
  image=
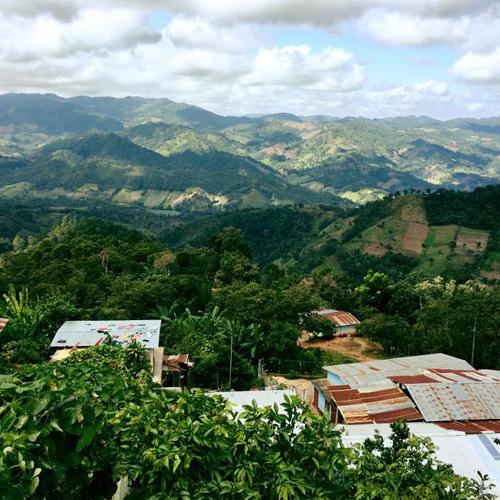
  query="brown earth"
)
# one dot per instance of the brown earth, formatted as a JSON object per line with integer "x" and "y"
{"x": 375, "y": 249}
{"x": 415, "y": 236}
{"x": 358, "y": 348}
{"x": 491, "y": 275}
{"x": 470, "y": 240}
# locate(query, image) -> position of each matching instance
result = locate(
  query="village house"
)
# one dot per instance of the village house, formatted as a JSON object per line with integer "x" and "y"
{"x": 74, "y": 335}
{"x": 345, "y": 322}
{"x": 441, "y": 397}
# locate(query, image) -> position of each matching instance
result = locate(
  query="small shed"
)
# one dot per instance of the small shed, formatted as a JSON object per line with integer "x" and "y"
{"x": 79, "y": 334}
{"x": 344, "y": 321}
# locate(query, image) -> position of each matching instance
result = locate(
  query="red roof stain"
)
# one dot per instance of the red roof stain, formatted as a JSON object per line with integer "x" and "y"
{"x": 438, "y": 375}
{"x": 413, "y": 379}
{"x": 476, "y": 427}
{"x": 387, "y": 417}
{"x": 370, "y": 404}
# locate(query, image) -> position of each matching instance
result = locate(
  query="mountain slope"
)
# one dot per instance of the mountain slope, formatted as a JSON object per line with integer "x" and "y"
{"x": 356, "y": 158}
{"x": 51, "y": 114}
{"x": 448, "y": 233}
{"x": 112, "y": 168}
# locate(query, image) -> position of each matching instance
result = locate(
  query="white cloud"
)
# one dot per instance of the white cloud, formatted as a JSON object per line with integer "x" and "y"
{"x": 44, "y": 36}
{"x": 215, "y": 53}
{"x": 196, "y": 32}
{"x": 331, "y": 69}
{"x": 396, "y": 28}
{"x": 476, "y": 67}
{"x": 478, "y": 32}
{"x": 431, "y": 87}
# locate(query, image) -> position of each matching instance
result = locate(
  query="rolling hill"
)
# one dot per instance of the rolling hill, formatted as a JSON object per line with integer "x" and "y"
{"x": 108, "y": 167}
{"x": 449, "y": 233}
{"x": 357, "y": 159}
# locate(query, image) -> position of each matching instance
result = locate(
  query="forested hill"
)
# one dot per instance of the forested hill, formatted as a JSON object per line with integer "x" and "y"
{"x": 311, "y": 159}
{"x": 74, "y": 426}
{"x": 445, "y": 232}
{"x": 108, "y": 167}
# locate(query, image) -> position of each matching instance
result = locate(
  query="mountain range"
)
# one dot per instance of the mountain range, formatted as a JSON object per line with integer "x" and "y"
{"x": 178, "y": 158}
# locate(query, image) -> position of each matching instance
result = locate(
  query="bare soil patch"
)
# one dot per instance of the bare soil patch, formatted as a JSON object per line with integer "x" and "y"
{"x": 375, "y": 249}
{"x": 415, "y": 236}
{"x": 358, "y": 348}
{"x": 491, "y": 275}
{"x": 469, "y": 240}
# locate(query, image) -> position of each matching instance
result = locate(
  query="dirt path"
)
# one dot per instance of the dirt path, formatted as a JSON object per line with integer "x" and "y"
{"x": 359, "y": 348}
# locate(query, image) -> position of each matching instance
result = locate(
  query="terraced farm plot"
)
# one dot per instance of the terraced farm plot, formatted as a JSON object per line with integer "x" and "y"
{"x": 471, "y": 241}
{"x": 438, "y": 248}
{"x": 490, "y": 268}
{"x": 415, "y": 236}
{"x": 375, "y": 249}
{"x": 387, "y": 235}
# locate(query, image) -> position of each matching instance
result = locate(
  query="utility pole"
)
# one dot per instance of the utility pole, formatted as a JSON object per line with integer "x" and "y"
{"x": 473, "y": 341}
{"x": 231, "y": 364}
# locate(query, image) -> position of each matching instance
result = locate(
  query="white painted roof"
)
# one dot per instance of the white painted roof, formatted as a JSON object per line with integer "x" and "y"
{"x": 467, "y": 453}
{"x": 262, "y": 398}
{"x": 89, "y": 333}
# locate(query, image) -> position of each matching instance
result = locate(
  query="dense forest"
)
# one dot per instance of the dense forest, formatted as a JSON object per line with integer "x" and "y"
{"x": 76, "y": 427}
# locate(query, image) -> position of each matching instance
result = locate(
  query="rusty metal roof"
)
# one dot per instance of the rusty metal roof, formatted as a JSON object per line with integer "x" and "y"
{"x": 444, "y": 402}
{"x": 369, "y": 404}
{"x": 369, "y": 372}
{"x": 437, "y": 375}
{"x": 340, "y": 318}
{"x": 3, "y": 323}
{"x": 476, "y": 427}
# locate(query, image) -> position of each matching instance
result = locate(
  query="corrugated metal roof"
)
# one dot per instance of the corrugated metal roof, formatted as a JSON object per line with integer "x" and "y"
{"x": 491, "y": 373}
{"x": 441, "y": 402}
{"x": 476, "y": 427}
{"x": 340, "y": 318}
{"x": 369, "y": 372}
{"x": 370, "y": 404}
{"x": 3, "y": 323}
{"x": 88, "y": 333}
{"x": 434, "y": 376}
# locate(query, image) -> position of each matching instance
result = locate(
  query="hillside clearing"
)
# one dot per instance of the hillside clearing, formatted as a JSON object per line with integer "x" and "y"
{"x": 415, "y": 236}
{"x": 358, "y": 348}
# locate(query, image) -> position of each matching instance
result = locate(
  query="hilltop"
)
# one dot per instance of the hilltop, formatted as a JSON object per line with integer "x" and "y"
{"x": 310, "y": 159}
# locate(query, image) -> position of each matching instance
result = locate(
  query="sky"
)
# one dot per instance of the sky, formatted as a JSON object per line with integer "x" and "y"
{"x": 372, "y": 58}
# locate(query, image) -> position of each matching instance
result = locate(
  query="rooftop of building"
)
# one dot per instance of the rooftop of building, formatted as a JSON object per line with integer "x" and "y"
{"x": 340, "y": 318}
{"x": 89, "y": 333}
{"x": 369, "y": 372}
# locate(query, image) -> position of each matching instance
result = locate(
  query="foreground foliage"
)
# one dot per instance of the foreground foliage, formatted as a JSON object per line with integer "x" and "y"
{"x": 73, "y": 428}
